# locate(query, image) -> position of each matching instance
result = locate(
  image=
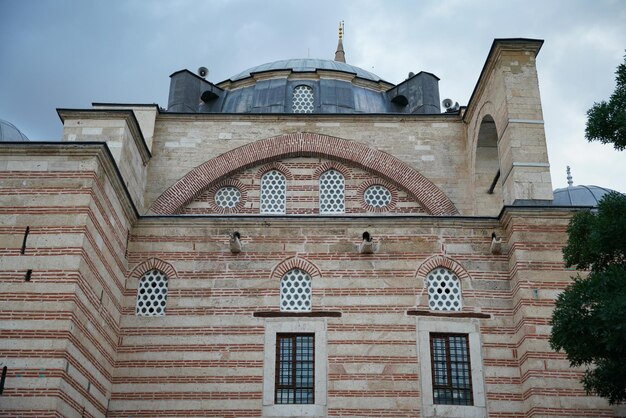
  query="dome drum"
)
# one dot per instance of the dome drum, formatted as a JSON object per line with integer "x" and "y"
{"x": 336, "y": 88}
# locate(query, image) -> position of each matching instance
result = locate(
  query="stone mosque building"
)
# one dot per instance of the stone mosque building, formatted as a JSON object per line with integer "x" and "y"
{"x": 301, "y": 239}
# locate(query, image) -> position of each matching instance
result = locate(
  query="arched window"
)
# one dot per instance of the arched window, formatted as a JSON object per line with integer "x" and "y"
{"x": 273, "y": 192}
{"x": 332, "y": 192}
{"x": 444, "y": 290}
{"x": 295, "y": 291}
{"x": 152, "y": 294}
{"x": 303, "y": 100}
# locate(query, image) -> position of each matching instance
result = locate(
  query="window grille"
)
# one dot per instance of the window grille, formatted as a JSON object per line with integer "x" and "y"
{"x": 444, "y": 290}
{"x": 227, "y": 197}
{"x": 452, "y": 380}
{"x": 152, "y": 294}
{"x": 332, "y": 192}
{"x": 303, "y": 100}
{"x": 295, "y": 291}
{"x": 295, "y": 369}
{"x": 273, "y": 192}
{"x": 377, "y": 196}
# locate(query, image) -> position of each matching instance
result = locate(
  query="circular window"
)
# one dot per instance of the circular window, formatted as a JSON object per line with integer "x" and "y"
{"x": 377, "y": 196}
{"x": 227, "y": 197}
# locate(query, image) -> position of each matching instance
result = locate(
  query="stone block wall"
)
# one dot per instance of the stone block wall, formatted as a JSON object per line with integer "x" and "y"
{"x": 61, "y": 283}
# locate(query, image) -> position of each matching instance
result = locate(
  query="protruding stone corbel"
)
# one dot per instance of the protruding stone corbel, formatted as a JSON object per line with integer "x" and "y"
{"x": 235, "y": 242}
{"x": 367, "y": 246}
{"x": 496, "y": 244}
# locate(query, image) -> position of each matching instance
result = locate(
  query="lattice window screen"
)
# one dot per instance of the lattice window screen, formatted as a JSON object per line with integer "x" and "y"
{"x": 227, "y": 197}
{"x": 332, "y": 192}
{"x": 303, "y": 100}
{"x": 444, "y": 290}
{"x": 295, "y": 291}
{"x": 377, "y": 196}
{"x": 152, "y": 294}
{"x": 273, "y": 192}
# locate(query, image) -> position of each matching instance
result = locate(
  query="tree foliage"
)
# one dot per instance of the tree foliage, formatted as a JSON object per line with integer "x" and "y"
{"x": 606, "y": 121}
{"x": 589, "y": 320}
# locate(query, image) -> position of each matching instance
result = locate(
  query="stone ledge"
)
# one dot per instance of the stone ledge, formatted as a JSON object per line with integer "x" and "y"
{"x": 424, "y": 312}
{"x": 278, "y": 314}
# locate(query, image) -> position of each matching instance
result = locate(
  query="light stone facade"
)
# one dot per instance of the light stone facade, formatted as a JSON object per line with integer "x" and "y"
{"x": 131, "y": 188}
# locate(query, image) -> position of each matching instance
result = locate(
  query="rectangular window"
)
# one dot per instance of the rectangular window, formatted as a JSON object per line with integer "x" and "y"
{"x": 295, "y": 369}
{"x": 452, "y": 380}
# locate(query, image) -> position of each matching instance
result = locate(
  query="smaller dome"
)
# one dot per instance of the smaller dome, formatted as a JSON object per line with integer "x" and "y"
{"x": 579, "y": 195}
{"x": 9, "y": 133}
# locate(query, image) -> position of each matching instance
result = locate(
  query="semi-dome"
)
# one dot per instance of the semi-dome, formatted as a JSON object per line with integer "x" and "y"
{"x": 307, "y": 65}
{"x": 9, "y": 132}
{"x": 579, "y": 195}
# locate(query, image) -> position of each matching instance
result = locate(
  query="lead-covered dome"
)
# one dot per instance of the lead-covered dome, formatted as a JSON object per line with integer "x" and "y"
{"x": 10, "y": 133}
{"x": 299, "y": 65}
{"x": 579, "y": 195}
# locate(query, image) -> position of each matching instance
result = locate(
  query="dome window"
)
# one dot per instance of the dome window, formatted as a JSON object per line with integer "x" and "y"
{"x": 303, "y": 100}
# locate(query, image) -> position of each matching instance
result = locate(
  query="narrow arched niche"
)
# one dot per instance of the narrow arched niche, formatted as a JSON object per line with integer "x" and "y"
{"x": 487, "y": 175}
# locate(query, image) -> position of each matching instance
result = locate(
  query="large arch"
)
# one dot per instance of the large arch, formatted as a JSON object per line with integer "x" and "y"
{"x": 432, "y": 199}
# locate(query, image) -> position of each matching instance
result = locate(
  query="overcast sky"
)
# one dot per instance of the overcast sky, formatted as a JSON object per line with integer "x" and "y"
{"x": 62, "y": 53}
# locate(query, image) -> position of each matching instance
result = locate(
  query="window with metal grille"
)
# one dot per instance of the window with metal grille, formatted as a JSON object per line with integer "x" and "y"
{"x": 303, "y": 100}
{"x": 452, "y": 378}
{"x": 152, "y": 294}
{"x": 444, "y": 290}
{"x": 295, "y": 291}
{"x": 273, "y": 192}
{"x": 295, "y": 369}
{"x": 332, "y": 192}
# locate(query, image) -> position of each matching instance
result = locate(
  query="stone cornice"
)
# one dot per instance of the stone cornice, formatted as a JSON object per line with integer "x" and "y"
{"x": 99, "y": 150}
{"x": 359, "y": 118}
{"x": 108, "y": 114}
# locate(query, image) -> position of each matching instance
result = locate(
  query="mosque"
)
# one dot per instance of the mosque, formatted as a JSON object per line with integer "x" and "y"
{"x": 301, "y": 239}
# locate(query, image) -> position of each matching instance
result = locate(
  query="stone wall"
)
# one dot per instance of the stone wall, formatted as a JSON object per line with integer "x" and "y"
{"x": 62, "y": 282}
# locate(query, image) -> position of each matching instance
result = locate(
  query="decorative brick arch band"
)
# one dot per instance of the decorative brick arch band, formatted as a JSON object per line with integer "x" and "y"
{"x": 430, "y": 197}
{"x": 153, "y": 264}
{"x": 295, "y": 263}
{"x": 435, "y": 261}
{"x": 459, "y": 271}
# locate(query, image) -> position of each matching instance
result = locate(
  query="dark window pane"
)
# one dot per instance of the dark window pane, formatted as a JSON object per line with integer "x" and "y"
{"x": 295, "y": 367}
{"x": 452, "y": 382}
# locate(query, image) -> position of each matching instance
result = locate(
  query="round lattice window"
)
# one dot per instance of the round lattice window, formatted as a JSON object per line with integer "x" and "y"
{"x": 444, "y": 290}
{"x": 152, "y": 294}
{"x": 377, "y": 196}
{"x": 295, "y": 291}
{"x": 273, "y": 192}
{"x": 332, "y": 192}
{"x": 227, "y": 197}
{"x": 302, "y": 100}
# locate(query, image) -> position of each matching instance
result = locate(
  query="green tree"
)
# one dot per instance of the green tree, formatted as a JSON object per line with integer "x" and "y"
{"x": 606, "y": 122}
{"x": 589, "y": 320}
